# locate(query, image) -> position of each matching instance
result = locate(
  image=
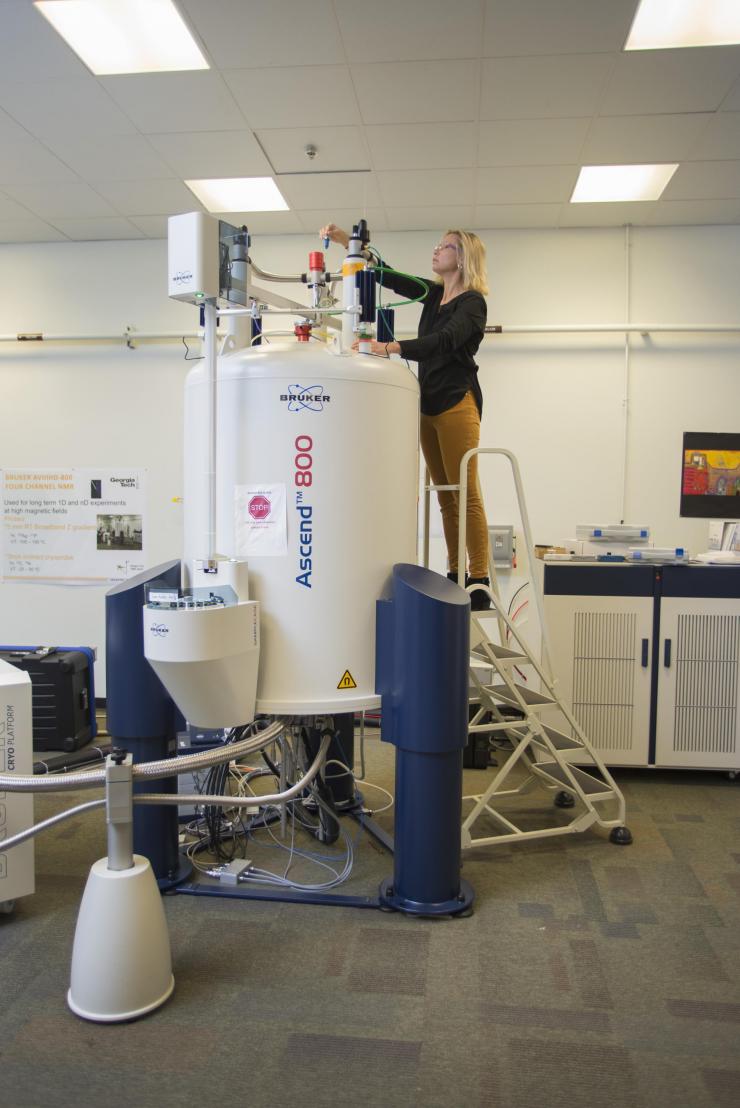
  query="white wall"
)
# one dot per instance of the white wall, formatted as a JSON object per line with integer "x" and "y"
{"x": 556, "y": 401}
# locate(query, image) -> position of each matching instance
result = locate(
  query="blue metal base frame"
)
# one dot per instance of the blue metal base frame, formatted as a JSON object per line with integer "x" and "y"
{"x": 183, "y": 870}
{"x": 463, "y": 902}
{"x": 287, "y": 896}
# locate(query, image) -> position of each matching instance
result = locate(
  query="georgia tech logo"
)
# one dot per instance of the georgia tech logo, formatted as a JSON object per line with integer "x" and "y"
{"x": 310, "y": 398}
{"x": 159, "y": 629}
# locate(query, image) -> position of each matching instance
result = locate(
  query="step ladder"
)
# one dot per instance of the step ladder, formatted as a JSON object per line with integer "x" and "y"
{"x": 562, "y": 762}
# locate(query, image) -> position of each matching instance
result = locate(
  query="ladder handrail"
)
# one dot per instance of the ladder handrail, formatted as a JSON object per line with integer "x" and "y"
{"x": 528, "y": 542}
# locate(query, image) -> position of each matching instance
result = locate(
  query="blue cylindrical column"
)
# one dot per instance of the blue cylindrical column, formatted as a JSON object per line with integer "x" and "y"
{"x": 423, "y": 641}
{"x": 142, "y": 717}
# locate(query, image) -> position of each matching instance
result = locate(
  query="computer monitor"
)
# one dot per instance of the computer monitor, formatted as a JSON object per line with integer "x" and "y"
{"x": 710, "y": 475}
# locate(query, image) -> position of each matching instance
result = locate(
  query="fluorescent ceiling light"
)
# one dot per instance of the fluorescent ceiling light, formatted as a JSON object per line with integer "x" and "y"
{"x": 670, "y": 24}
{"x": 602, "y": 184}
{"x": 239, "y": 194}
{"x": 125, "y": 36}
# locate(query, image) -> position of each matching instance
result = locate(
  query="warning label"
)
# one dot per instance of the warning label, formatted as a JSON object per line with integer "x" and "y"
{"x": 347, "y": 681}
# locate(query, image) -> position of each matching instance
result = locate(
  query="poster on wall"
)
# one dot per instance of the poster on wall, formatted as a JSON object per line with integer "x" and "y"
{"x": 72, "y": 526}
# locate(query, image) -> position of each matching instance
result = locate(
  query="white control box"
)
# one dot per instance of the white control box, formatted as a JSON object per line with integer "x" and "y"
{"x": 193, "y": 257}
{"x": 17, "y": 877}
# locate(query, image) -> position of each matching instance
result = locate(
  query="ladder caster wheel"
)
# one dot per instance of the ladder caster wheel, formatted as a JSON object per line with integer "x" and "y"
{"x": 622, "y": 836}
{"x": 565, "y": 800}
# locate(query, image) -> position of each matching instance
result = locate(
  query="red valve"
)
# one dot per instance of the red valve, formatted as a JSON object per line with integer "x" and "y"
{"x": 316, "y": 261}
{"x": 303, "y": 331}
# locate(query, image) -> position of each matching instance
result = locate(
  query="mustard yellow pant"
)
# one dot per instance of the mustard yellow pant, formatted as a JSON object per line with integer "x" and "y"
{"x": 445, "y": 439}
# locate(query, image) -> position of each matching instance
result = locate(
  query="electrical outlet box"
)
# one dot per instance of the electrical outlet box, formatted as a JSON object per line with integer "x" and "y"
{"x": 501, "y": 540}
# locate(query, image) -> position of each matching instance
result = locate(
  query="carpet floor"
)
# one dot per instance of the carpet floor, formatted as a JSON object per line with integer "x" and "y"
{"x": 589, "y": 975}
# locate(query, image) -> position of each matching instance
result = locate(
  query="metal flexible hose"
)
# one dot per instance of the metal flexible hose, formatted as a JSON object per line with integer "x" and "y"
{"x": 16, "y": 840}
{"x": 241, "y": 801}
{"x": 167, "y": 767}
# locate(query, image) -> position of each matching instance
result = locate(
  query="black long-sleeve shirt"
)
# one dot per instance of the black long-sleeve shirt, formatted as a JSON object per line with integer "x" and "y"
{"x": 449, "y": 337}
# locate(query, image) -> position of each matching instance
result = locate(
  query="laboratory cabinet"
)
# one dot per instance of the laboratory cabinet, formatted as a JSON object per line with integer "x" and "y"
{"x": 648, "y": 656}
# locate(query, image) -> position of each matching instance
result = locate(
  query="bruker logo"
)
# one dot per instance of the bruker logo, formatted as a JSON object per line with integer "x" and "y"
{"x": 259, "y": 507}
{"x": 301, "y": 398}
{"x": 159, "y": 629}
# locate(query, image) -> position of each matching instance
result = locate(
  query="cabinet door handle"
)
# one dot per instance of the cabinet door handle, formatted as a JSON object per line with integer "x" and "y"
{"x": 667, "y": 654}
{"x": 645, "y": 647}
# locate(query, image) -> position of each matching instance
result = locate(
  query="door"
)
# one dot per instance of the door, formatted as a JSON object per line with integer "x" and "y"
{"x": 602, "y": 655}
{"x": 698, "y": 723}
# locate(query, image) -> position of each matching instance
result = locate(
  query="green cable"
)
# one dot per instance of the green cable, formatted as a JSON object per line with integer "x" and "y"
{"x": 400, "y": 273}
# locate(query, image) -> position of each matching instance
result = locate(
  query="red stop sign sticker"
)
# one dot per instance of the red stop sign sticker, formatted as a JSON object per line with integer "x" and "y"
{"x": 259, "y": 507}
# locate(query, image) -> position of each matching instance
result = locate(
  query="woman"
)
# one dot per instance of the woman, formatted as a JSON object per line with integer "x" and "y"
{"x": 451, "y": 327}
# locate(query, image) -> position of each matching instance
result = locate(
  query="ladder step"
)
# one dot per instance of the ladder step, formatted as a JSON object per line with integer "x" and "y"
{"x": 591, "y": 786}
{"x": 559, "y": 739}
{"x": 500, "y": 653}
{"x": 529, "y": 696}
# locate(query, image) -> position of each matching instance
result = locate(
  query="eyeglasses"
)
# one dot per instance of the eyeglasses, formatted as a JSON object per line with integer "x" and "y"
{"x": 444, "y": 246}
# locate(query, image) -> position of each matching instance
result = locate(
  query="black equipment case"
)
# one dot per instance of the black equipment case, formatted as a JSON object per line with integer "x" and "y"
{"x": 62, "y": 692}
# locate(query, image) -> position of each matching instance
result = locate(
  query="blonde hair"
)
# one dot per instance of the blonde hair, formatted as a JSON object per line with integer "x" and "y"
{"x": 473, "y": 254}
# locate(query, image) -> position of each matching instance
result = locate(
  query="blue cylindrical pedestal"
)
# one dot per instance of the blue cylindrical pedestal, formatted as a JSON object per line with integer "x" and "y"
{"x": 423, "y": 639}
{"x": 142, "y": 717}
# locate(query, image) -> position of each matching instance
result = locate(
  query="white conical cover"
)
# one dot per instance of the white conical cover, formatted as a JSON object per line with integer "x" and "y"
{"x": 121, "y": 961}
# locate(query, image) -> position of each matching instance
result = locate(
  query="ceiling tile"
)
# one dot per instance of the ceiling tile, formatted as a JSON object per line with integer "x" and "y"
{"x": 27, "y": 35}
{"x": 720, "y": 138}
{"x": 265, "y": 223}
{"x": 646, "y": 82}
{"x": 313, "y": 219}
{"x": 704, "y": 181}
{"x": 406, "y": 187}
{"x": 543, "y": 87}
{"x": 516, "y": 215}
{"x": 212, "y": 154}
{"x": 104, "y": 157}
{"x": 10, "y": 209}
{"x": 396, "y": 92}
{"x": 606, "y": 215}
{"x": 47, "y": 108}
{"x": 294, "y": 96}
{"x": 568, "y": 27}
{"x": 436, "y": 220}
{"x": 149, "y": 197}
{"x": 413, "y": 30}
{"x": 261, "y": 33}
{"x": 731, "y": 103}
{"x": 422, "y": 145}
{"x": 26, "y": 159}
{"x": 153, "y": 226}
{"x": 337, "y": 148}
{"x": 628, "y": 139}
{"x": 87, "y": 230}
{"x": 61, "y": 200}
{"x": 332, "y": 190}
{"x": 28, "y": 230}
{"x": 160, "y": 102}
{"x": 549, "y": 184}
{"x": 682, "y": 212}
{"x": 531, "y": 141}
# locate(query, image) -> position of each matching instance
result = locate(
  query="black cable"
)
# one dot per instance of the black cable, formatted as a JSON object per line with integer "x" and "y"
{"x": 197, "y": 358}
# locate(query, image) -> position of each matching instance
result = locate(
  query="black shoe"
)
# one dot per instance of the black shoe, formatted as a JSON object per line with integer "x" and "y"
{"x": 480, "y": 601}
{"x": 453, "y": 577}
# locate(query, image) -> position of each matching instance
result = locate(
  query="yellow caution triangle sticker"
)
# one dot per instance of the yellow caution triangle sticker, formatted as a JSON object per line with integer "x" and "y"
{"x": 347, "y": 681}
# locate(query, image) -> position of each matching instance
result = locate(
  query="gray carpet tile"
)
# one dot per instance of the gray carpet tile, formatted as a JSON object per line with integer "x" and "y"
{"x": 589, "y": 975}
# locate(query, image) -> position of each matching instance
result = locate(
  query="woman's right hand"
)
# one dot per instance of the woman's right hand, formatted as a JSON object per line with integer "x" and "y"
{"x": 335, "y": 234}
